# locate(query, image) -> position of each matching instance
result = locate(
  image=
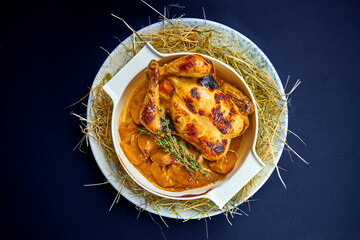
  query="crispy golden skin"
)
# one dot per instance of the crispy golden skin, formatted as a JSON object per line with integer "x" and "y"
{"x": 201, "y": 112}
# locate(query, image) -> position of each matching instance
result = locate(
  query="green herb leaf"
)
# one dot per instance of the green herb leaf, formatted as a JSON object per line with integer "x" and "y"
{"x": 169, "y": 143}
{"x": 144, "y": 130}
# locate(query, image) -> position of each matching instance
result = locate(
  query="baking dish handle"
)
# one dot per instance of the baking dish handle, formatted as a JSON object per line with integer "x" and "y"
{"x": 221, "y": 195}
{"x": 138, "y": 63}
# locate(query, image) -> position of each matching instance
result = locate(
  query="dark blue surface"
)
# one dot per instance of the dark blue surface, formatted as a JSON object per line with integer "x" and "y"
{"x": 49, "y": 55}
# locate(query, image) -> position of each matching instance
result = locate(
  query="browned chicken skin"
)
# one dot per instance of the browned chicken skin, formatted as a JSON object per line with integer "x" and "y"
{"x": 202, "y": 113}
{"x": 149, "y": 113}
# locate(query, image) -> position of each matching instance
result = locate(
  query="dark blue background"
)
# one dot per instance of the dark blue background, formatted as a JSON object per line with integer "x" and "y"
{"x": 50, "y": 53}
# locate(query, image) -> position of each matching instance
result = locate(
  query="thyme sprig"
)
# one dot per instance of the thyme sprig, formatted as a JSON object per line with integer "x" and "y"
{"x": 169, "y": 143}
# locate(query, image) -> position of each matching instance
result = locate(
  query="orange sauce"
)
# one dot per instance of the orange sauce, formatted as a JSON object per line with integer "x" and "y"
{"x": 149, "y": 158}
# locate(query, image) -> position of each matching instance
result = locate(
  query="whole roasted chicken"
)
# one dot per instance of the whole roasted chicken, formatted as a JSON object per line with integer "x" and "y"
{"x": 200, "y": 111}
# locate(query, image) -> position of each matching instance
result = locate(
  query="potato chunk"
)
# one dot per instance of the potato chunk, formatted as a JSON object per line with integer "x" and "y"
{"x": 226, "y": 164}
{"x": 160, "y": 175}
{"x": 147, "y": 144}
{"x": 132, "y": 150}
{"x": 162, "y": 157}
{"x": 127, "y": 129}
{"x": 179, "y": 174}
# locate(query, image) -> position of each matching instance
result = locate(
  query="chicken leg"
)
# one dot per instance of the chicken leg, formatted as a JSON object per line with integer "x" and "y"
{"x": 195, "y": 66}
{"x": 149, "y": 113}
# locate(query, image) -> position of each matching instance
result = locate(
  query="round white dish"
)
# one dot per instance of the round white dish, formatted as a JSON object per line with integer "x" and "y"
{"x": 120, "y": 57}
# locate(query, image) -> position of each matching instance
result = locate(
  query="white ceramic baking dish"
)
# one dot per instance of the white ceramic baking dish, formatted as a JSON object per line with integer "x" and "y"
{"x": 248, "y": 163}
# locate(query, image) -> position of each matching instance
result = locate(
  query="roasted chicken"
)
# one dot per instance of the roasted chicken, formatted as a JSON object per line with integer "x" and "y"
{"x": 201, "y": 112}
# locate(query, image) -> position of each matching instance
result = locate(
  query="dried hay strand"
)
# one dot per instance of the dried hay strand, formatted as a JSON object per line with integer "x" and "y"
{"x": 176, "y": 37}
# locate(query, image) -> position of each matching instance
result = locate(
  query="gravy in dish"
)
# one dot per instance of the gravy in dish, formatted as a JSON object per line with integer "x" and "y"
{"x": 158, "y": 166}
